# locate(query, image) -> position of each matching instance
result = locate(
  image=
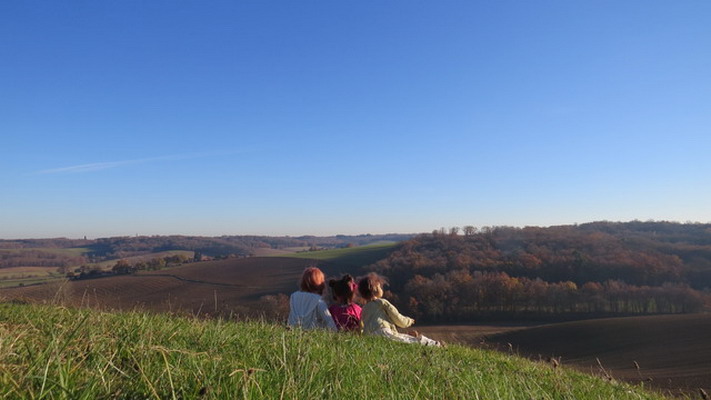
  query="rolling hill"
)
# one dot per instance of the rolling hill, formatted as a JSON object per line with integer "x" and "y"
{"x": 233, "y": 286}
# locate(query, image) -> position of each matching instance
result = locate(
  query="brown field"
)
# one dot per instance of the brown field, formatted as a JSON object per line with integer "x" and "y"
{"x": 234, "y": 286}
{"x": 673, "y": 352}
{"x": 469, "y": 335}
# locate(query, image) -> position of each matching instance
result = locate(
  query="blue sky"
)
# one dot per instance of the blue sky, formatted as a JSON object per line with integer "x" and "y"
{"x": 327, "y": 117}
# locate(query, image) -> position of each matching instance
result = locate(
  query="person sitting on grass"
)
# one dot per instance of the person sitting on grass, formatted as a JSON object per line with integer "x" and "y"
{"x": 381, "y": 318}
{"x": 306, "y": 308}
{"x": 345, "y": 313}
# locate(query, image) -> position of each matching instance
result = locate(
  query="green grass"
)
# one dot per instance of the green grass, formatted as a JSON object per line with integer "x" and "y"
{"x": 348, "y": 257}
{"x": 6, "y": 283}
{"x": 108, "y": 264}
{"x": 27, "y": 272}
{"x": 57, "y": 353}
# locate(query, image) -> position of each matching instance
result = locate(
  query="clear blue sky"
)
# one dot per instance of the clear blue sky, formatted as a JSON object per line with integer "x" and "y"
{"x": 326, "y": 117}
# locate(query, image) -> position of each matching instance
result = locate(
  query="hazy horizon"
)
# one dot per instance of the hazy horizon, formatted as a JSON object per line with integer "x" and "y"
{"x": 296, "y": 235}
{"x": 318, "y": 118}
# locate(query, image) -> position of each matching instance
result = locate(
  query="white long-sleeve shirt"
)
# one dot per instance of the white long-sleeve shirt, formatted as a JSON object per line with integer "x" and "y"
{"x": 309, "y": 311}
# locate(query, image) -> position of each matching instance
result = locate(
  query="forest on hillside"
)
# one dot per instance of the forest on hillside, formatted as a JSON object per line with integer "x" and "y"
{"x": 601, "y": 268}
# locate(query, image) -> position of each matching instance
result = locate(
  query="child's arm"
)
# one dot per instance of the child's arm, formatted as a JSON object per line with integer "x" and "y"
{"x": 396, "y": 318}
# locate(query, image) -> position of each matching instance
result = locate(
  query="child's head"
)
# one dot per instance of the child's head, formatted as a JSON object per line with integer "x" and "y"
{"x": 312, "y": 281}
{"x": 371, "y": 286}
{"x": 343, "y": 289}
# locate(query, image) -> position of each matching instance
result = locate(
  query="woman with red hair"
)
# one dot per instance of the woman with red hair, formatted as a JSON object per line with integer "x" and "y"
{"x": 306, "y": 308}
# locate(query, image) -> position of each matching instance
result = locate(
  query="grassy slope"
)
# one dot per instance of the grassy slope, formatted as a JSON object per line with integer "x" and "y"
{"x": 53, "y": 353}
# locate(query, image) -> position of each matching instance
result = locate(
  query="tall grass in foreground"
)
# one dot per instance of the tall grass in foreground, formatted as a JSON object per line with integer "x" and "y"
{"x": 58, "y": 353}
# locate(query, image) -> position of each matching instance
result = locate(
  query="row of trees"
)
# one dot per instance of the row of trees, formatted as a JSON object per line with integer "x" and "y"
{"x": 123, "y": 267}
{"x": 460, "y": 295}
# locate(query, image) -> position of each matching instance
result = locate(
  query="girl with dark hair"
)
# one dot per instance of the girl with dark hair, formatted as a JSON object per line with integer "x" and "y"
{"x": 345, "y": 313}
{"x": 381, "y": 318}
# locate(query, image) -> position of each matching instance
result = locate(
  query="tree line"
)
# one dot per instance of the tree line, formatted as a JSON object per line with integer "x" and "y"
{"x": 124, "y": 267}
{"x": 461, "y": 295}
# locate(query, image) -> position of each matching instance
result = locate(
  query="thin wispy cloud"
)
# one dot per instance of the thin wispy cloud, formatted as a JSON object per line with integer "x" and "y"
{"x": 74, "y": 169}
{"x": 99, "y": 166}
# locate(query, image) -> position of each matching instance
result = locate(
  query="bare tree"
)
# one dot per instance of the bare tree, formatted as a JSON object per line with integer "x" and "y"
{"x": 469, "y": 230}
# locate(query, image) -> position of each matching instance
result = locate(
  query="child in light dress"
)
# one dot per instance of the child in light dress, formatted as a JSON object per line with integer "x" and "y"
{"x": 380, "y": 317}
{"x": 307, "y": 310}
{"x": 345, "y": 312}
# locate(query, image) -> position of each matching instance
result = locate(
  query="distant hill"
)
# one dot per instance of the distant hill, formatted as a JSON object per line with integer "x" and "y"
{"x": 20, "y": 259}
{"x": 254, "y": 286}
{"x": 63, "y": 252}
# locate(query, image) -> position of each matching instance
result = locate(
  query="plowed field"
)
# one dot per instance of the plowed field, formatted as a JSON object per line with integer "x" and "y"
{"x": 223, "y": 287}
{"x": 672, "y": 351}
